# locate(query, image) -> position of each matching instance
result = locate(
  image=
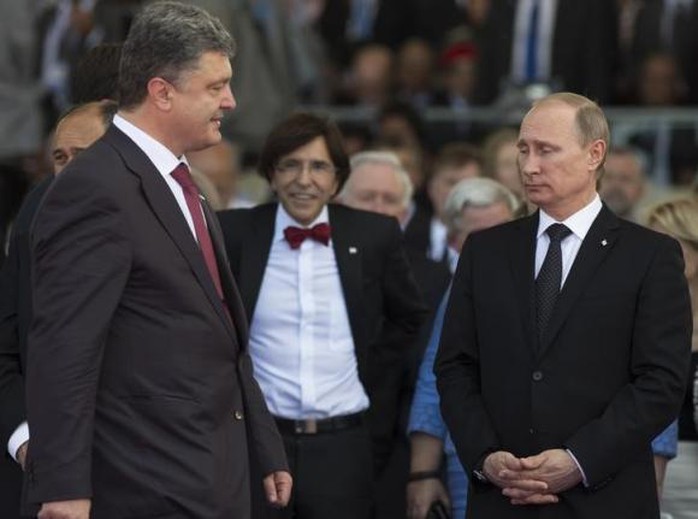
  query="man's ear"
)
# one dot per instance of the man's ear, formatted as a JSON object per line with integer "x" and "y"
{"x": 160, "y": 93}
{"x": 597, "y": 152}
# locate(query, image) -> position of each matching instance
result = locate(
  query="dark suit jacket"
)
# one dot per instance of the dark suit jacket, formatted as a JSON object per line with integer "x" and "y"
{"x": 383, "y": 302}
{"x": 15, "y": 317}
{"x": 607, "y": 377}
{"x": 139, "y": 387}
{"x": 647, "y": 39}
{"x": 584, "y": 48}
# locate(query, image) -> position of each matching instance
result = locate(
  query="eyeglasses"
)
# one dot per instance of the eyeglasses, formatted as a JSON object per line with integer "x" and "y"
{"x": 317, "y": 168}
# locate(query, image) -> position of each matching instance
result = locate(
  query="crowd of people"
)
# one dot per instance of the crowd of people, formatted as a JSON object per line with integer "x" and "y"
{"x": 394, "y": 319}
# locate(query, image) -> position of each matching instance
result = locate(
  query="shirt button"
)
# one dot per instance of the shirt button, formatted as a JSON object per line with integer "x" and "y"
{"x": 537, "y": 376}
{"x": 238, "y": 415}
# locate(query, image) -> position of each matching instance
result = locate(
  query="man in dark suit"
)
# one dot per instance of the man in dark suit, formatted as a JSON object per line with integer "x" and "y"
{"x": 332, "y": 305}
{"x": 140, "y": 395}
{"x": 75, "y": 131}
{"x": 552, "y": 396}
{"x": 575, "y": 46}
{"x": 379, "y": 183}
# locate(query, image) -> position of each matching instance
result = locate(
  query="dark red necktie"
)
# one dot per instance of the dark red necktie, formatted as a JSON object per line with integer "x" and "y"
{"x": 191, "y": 195}
{"x": 297, "y": 235}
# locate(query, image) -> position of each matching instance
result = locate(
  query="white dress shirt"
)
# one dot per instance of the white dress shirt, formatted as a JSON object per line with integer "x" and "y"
{"x": 438, "y": 234}
{"x": 579, "y": 223}
{"x": 544, "y": 50}
{"x": 165, "y": 162}
{"x": 300, "y": 338}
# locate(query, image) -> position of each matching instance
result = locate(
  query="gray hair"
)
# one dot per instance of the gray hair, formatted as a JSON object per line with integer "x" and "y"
{"x": 476, "y": 192}
{"x": 166, "y": 39}
{"x": 384, "y": 158}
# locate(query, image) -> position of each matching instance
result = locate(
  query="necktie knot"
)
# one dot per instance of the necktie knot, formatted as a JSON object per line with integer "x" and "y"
{"x": 183, "y": 177}
{"x": 297, "y": 235}
{"x": 557, "y": 232}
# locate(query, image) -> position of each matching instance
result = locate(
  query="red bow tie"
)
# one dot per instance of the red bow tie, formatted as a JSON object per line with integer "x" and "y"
{"x": 296, "y": 235}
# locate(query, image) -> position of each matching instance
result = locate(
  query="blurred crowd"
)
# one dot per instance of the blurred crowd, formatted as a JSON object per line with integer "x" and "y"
{"x": 402, "y": 78}
{"x": 409, "y": 59}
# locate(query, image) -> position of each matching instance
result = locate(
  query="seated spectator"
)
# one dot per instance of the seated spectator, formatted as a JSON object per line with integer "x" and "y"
{"x": 624, "y": 182}
{"x": 379, "y": 183}
{"x": 454, "y": 162}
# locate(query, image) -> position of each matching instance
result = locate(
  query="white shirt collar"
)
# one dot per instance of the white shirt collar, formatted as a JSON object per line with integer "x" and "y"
{"x": 579, "y": 223}
{"x": 283, "y": 220}
{"x": 164, "y": 160}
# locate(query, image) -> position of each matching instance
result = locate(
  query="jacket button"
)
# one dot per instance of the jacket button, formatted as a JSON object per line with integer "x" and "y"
{"x": 537, "y": 376}
{"x": 238, "y": 415}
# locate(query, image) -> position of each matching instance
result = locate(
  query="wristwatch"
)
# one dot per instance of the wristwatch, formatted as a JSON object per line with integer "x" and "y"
{"x": 479, "y": 475}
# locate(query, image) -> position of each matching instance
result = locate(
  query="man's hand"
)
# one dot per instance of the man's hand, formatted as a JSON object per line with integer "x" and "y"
{"x": 277, "y": 487}
{"x": 506, "y": 470}
{"x": 554, "y": 467}
{"x": 21, "y": 455}
{"x": 74, "y": 509}
{"x": 421, "y": 494}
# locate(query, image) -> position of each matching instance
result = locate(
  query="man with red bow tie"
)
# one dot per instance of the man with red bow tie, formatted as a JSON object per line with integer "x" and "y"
{"x": 332, "y": 305}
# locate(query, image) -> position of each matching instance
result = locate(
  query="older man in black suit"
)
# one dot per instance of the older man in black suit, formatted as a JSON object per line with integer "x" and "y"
{"x": 333, "y": 306}
{"x": 566, "y": 340}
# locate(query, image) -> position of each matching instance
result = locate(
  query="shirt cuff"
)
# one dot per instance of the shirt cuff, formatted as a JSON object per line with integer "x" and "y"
{"x": 581, "y": 470}
{"x": 17, "y": 439}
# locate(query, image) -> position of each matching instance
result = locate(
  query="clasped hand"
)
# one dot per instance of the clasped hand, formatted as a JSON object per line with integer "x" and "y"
{"x": 535, "y": 480}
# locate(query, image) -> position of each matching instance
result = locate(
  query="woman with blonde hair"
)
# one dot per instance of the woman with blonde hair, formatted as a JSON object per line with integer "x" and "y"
{"x": 679, "y": 218}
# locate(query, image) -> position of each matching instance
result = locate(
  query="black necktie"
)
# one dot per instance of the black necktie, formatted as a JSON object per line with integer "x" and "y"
{"x": 550, "y": 276}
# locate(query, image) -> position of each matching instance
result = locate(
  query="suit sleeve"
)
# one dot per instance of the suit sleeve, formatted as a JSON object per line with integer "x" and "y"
{"x": 265, "y": 440}
{"x": 659, "y": 361}
{"x": 12, "y": 409}
{"x": 458, "y": 373}
{"x": 80, "y": 266}
{"x": 404, "y": 313}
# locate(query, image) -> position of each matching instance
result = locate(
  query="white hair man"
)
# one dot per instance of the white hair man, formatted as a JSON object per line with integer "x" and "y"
{"x": 378, "y": 183}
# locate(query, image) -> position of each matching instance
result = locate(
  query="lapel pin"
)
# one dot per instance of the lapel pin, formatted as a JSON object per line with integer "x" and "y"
{"x": 604, "y": 242}
{"x": 352, "y": 250}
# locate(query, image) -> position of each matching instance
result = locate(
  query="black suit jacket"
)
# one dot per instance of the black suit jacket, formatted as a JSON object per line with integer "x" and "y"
{"x": 584, "y": 48}
{"x": 607, "y": 377}
{"x": 383, "y": 302}
{"x": 15, "y": 317}
{"x": 139, "y": 387}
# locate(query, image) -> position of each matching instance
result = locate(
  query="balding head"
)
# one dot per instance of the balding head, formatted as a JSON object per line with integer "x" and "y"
{"x": 78, "y": 129}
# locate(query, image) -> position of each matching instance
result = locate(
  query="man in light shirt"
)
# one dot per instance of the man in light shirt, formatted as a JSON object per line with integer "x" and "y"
{"x": 566, "y": 338}
{"x": 333, "y": 307}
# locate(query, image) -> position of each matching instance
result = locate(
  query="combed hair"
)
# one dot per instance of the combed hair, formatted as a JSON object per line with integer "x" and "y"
{"x": 591, "y": 122}
{"x": 476, "y": 192}
{"x": 383, "y": 157}
{"x": 166, "y": 39}
{"x": 296, "y": 131}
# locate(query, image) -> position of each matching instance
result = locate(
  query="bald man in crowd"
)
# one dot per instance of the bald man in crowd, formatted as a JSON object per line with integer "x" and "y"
{"x": 75, "y": 131}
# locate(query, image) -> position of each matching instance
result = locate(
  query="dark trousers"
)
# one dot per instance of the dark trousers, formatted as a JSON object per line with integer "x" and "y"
{"x": 10, "y": 487}
{"x": 332, "y": 476}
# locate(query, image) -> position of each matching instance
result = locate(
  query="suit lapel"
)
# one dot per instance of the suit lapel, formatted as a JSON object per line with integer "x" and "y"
{"x": 597, "y": 244}
{"x": 166, "y": 209}
{"x": 348, "y": 253}
{"x": 522, "y": 255}
{"x": 254, "y": 256}
{"x": 230, "y": 292}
